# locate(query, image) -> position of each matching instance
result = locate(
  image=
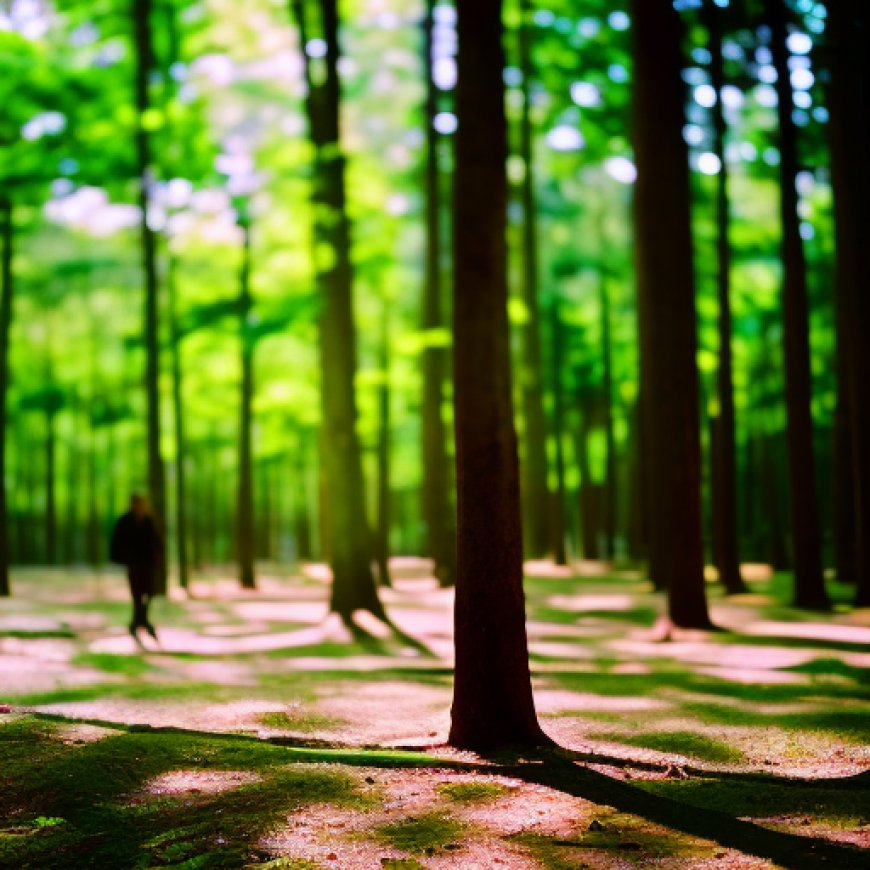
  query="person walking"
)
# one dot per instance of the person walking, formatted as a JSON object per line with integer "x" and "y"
{"x": 136, "y": 544}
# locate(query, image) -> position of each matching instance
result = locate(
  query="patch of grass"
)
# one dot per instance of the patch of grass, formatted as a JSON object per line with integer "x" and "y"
{"x": 425, "y": 834}
{"x": 677, "y": 742}
{"x": 286, "y": 864}
{"x": 305, "y": 722}
{"x": 472, "y": 792}
{"x": 127, "y": 665}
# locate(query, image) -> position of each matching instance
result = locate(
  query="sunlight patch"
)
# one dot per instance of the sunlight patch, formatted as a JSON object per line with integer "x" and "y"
{"x": 199, "y": 782}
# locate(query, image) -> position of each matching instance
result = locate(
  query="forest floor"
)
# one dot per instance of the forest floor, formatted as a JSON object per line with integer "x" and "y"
{"x": 260, "y": 732}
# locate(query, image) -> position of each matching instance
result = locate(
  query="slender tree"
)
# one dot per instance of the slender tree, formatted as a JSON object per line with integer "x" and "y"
{"x": 809, "y": 589}
{"x": 724, "y": 445}
{"x": 536, "y": 497}
{"x": 384, "y": 506}
{"x": 438, "y": 514}
{"x": 492, "y": 695}
{"x": 245, "y": 506}
{"x": 7, "y": 240}
{"x": 557, "y": 362}
{"x": 666, "y": 311}
{"x": 144, "y": 67}
{"x": 849, "y": 30}
{"x": 350, "y": 542}
{"x": 610, "y": 483}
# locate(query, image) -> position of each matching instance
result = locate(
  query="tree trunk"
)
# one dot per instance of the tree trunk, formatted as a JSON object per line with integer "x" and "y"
{"x": 492, "y": 696}
{"x": 7, "y": 239}
{"x": 587, "y": 496}
{"x": 181, "y": 531}
{"x": 638, "y": 513}
{"x": 724, "y": 455}
{"x": 50, "y": 552}
{"x": 557, "y": 513}
{"x": 849, "y": 28}
{"x": 610, "y": 483}
{"x": 534, "y": 466}
{"x": 438, "y": 514}
{"x": 353, "y": 584}
{"x": 809, "y": 584}
{"x": 382, "y": 543}
{"x": 145, "y": 64}
{"x": 666, "y": 311}
{"x": 245, "y": 525}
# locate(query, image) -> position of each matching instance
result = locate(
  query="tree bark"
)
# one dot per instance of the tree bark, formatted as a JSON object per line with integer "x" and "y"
{"x": 438, "y": 513}
{"x": 849, "y": 29}
{"x": 7, "y": 240}
{"x": 245, "y": 525}
{"x": 535, "y": 490}
{"x": 492, "y": 696}
{"x": 724, "y": 451}
{"x": 666, "y": 311}
{"x": 809, "y": 584}
{"x": 145, "y": 64}
{"x": 350, "y": 542}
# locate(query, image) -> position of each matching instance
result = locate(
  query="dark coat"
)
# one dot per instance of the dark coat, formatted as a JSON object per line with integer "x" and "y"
{"x": 135, "y": 541}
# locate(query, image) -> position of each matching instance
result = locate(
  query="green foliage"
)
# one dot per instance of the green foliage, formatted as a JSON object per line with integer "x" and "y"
{"x": 428, "y": 834}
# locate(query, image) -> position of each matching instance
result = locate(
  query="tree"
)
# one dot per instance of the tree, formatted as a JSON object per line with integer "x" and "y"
{"x": 536, "y": 498}
{"x": 809, "y": 584}
{"x": 438, "y": 515}
{"x": 145, "y": 66}
{"x": 245, "y": 506}
{"x": 492, "y": 695}
{"x": 723, "y": 444}
{"x": 666, "y": 312}
{"x": 350, "y": 542}
{"x": 849, "y": 26}
{"x": 7, "y": 236}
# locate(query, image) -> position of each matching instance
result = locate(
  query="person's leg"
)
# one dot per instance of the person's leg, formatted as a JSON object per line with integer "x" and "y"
{"x": 138, "y": 590}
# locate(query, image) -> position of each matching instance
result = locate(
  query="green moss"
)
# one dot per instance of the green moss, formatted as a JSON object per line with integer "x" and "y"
{"x": 305, "y": 722}
{"x": 471, "y": 792}
{"x": 426, "y": 834}
{"x": 128, "y": 665}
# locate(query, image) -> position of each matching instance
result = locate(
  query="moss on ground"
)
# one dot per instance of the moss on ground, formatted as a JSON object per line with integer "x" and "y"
{"x": 472, "y": 792}
{"x": 425, "y": 834}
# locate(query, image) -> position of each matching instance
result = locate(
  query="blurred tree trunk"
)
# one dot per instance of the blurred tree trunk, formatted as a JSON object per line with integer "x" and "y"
{"x": 438, "y": 513}
{"x": 382, "y": 542}
{"x": 849, "y": 29}
{"x": 535, "y": 491}
{"x": 145, "y": 64}
{"x": 492, "y": 696}
{"x": 638, "y": 512}
{"x": 724, "y": 447}
{"x": 7, "y": 240}
{"x": 809, "y": 584}
{"x": 245, "y": 525}
{"x": 350, "y": 542}
{"x": 557, "y": 513}
{"x": 50, "y": 552}
{"x": 588, "y": 499}
{"x": 181, "y": 530}
{"x": 609, "y": 492}
{"x": 666, "y": 311}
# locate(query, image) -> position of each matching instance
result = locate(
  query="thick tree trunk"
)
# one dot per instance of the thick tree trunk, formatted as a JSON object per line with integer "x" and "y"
{"x": 492, "y": 696}
{"x": 438, "y": 513}
{"x": 181, "y": 530}
{"x": 849, "y": 29}
{"x": 724, "y": 452}
{"x": 245, "y": 525}
{"x": 666, "y": 311}
{"x": 7, "y": 240}
{"x": 145, "y": 64}
{"x": 350, "y": 542}
{"x": 809, "y": 584}
{"x": 535, "y": 491}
